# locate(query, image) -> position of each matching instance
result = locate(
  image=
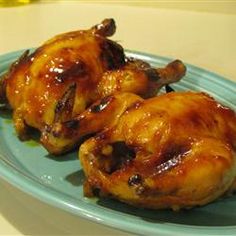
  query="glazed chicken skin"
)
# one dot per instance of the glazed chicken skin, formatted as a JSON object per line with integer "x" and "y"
{"x": 135, "y": 76}
{"x": 175, "y": 151}
{"x": 60, "y": 79}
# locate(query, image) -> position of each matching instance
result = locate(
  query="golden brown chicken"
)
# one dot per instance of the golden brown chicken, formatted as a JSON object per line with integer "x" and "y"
{"x": 69, "y": 72}
{"x": 174, "y": 151}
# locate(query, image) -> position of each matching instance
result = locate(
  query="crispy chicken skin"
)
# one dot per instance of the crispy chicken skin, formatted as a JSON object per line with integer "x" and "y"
{"x": 172, "y": 151}
{"x": 60, "y": 79}
{"x": 65, "y": 135}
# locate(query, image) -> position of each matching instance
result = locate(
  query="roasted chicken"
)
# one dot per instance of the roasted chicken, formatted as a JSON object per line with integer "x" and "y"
{"x": 176, "y": 150}
{"x": 60, "y": 79}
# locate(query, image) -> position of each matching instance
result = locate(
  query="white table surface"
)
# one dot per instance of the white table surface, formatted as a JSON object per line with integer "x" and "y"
{"x": 204, "y": 39}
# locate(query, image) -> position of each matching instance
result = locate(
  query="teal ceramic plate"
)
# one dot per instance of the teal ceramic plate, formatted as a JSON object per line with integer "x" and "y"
{"x": 59, "y": 181}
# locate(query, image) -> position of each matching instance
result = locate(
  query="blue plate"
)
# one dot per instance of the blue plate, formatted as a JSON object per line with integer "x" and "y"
{"x": 58, "y": 181}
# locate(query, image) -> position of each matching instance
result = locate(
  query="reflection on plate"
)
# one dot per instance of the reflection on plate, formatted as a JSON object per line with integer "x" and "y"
{"x": 58, "y": 181}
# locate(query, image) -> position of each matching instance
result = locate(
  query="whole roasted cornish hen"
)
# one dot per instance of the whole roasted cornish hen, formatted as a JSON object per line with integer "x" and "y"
{"x": 66, "y": 74}
{"x": 176, "y": 150}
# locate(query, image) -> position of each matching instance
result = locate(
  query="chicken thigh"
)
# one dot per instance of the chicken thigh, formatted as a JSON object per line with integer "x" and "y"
{"x": 175, "y": 150}
{"x": 60, "y": 79}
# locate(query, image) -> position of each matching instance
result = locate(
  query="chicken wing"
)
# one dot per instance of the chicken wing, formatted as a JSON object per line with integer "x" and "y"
{"x": 172, "y": 151}
{"x": 60, "y": 79}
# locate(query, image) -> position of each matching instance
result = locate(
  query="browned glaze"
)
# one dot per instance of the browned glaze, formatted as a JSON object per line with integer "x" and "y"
{"x": 171, "y": 151}
{"x": 98, "y": 116}
{"x": 52, "y": 86}
{"x": 104, "y": 102}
